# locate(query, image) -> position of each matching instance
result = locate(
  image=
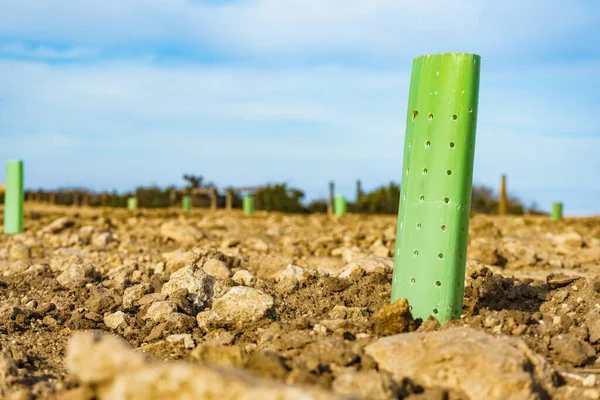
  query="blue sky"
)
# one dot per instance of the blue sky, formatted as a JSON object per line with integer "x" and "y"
{"x": 113, "y": 94}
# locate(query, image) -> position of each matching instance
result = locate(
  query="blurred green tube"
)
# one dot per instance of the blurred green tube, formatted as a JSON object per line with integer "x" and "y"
{"x": 557, "y": 212}
{"x": 339, "y": 205}
{"x": 248, "y": 204}
{"x": 186, "y": 203}
{"x": 14, "y": 198}
{"x": 437, "y": 176}
{"x": 132, "y": 203}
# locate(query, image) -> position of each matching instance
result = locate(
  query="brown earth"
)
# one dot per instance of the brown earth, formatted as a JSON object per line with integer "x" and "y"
{"x": 277, "y": 306}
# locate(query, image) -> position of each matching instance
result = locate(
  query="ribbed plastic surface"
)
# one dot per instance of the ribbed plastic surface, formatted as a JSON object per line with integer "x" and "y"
{"x": 248, "y": 204}
{"x": 132, "y": 203}
{"x": 435, "y": 200}
{"x": 339, "y": 205}
{"x": 557, "y": 212}
{"x": 186, "y": 203}
{"x": 14, "y": 198}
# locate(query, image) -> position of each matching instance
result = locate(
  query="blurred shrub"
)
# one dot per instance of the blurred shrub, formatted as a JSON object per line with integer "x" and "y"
{"x": 383, "y": 200}
{"x": 317, "y": 206}
{"x": 153, "y": 197}
{"x": 485, "y": 200}
{"x": 279, "y": 197}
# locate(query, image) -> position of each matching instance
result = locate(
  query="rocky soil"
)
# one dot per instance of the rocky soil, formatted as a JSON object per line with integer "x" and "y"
{"x": 110, "y": 304}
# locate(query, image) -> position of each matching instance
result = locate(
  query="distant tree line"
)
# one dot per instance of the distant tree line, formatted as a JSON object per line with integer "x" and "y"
{"x": 280, "y": 197}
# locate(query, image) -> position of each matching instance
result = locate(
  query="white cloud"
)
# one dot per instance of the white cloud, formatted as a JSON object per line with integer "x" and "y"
{"x": 397, "y": 28}
{"x": 43, "y": 52}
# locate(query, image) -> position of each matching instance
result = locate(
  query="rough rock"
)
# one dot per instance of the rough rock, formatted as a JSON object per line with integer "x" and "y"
{"x": 217, "y": 269}
{"x": 106, "y": 365}
{"x": 243, "y": 277}
{"x": 134, "y": 293}
{"x": 517, "y": 254}
{"x": 19, "y": 251}
{"x": 102, "y": 239}
{"x": 366, "y": 385}
{"x": 160, "y": 310}
{"x": 572, "y": 351}
{"x": 116, "y": 320}
{"x": 59, "y": 225}
{"x": 8, "y": 368}
{"x": 199, "y": 284}
{"x": 293, "y": 274}
{"x": 506, "y": 368}
{"x": 184, "y": 338}
{"x": 393, "y": 318}
{"x": 239, "y": 307}
{"x": 556, "y": 281}
{"x": 369, "y": 265}
{"x": 592, "y": 321}
{"x": 570, "y": 239}
{"x": 76, "y": 275}
{"x": 181, "y": 232}
{"x": 179, "y": 258}
{"x": 102, "y": 300}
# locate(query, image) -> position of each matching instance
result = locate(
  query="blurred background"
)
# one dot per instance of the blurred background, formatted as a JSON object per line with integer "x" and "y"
{"x": 122, "y": 95}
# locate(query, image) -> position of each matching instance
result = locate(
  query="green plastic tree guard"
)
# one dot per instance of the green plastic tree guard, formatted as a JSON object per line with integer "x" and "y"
{"x": 248, "y": 205}
{"x": 557, "y": 212}
{"x": 339, "y": 205}
{"x": 132, "y": 203}
{"x": 187, "y": 204}
{"x": 14, "y": 198}
{"x": 437, "y": 178}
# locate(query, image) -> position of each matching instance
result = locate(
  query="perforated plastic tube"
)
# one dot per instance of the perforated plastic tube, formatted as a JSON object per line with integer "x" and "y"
{"x": 186, "y": 203}
{"x": 557, "y": 212}
{"x": 339, "y": 205}
{"x": 437, "y": 176}
{"x": 248, "y": 204}
{"x": 132, "y": 203}
{"x": 14, "y": 198}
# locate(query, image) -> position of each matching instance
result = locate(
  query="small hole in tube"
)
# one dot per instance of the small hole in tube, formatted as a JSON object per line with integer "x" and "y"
{"x": 441, "y": 255}
{"x": 422, "y": 198}
{"x": 416, "y": 252}
{"x": 446, "y": 200}
{"x": 428, "y": 143}
{"x": 438, "y": 283}
{"x": 435, "y": 311}
{"x": 451, "y": 145}
{"x": 449, "y": 172}
{"x": 454, "y": 117}
{"x": 419, "y": 225}
{"x": 443, "y": 228}
{"x": 424, "y": 171}
{"x": 412, "y": 280}
{"x": 415, "y": 113}
{"x": 430, "y": 116}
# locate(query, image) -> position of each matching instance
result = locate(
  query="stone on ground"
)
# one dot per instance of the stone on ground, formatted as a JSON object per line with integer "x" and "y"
{"x": 108, "y": 367}
{"x": 239, "y": 307}
{"x": 465, "y": 360}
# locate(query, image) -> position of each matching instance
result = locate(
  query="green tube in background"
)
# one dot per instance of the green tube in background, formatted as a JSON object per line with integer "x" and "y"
{"x": 339, "y": 205}
{"x": 14, "y": 198}
{"x": 437, "y": 178}
{"x": 132, "y": 203}
{"x": 557, "y": 212}
{"x": 186, "y": 203}
{"x": 248, "y": 204}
